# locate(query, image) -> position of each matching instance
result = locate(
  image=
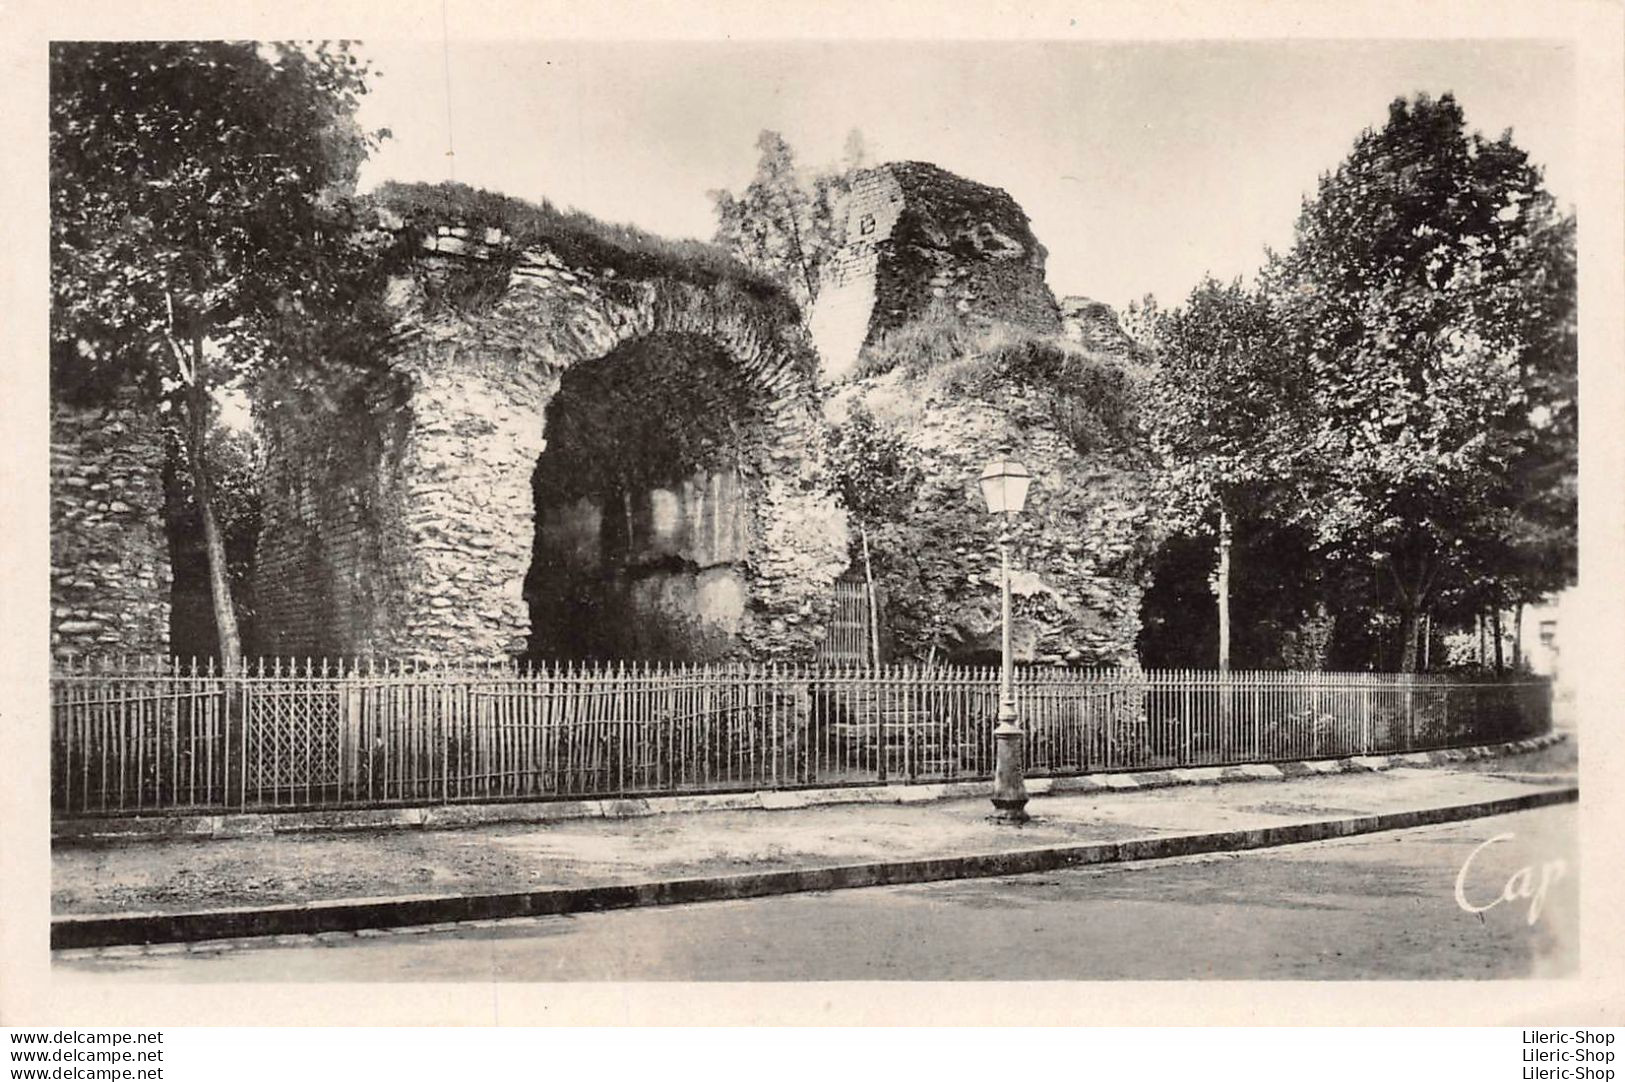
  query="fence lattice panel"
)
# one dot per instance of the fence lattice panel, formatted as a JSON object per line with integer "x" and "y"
{"x": 167, "y": 737}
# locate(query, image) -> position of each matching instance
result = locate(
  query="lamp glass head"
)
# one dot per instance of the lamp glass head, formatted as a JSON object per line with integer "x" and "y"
{"x": 1004, "y": 486}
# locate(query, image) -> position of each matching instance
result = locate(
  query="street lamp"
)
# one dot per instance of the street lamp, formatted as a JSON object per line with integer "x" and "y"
{"x": 1004, "y": 487}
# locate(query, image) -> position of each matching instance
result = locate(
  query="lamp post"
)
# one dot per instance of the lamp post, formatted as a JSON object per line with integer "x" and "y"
{"x": 1004, "y": 487}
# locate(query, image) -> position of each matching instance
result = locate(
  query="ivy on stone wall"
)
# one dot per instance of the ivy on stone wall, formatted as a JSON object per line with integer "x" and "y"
{"x": 934, "y": 401}
{"x": 1093, "y": 399}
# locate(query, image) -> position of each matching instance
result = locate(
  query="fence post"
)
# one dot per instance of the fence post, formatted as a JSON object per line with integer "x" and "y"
{"x": 350, "y": 728}
{"x": 909, "y": 750}
{"x": 1365, "y": 714}
{"x": 1314, "y": 715}
{"x": 1409, "y": 680}
{"x": 877, "y": 684}
{"x": 1444, "y": 710}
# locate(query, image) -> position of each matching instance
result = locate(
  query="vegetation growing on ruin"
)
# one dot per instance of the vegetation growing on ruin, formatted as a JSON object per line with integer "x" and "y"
{"x": 647, "y": 416}
{"x": 931, "y": 401}
{"x": 1092, "y": 399}
{"x": 788, "y": 222}
{"x": 192, "y": 234}
{"x": 577, "y": 238}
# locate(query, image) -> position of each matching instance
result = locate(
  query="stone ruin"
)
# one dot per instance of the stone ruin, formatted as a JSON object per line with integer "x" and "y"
{"x": 409, "y": 520}
{"x": 919, "y": 236}
{"x": 437, "y": 507}
{"x": 1095, "y": 326}
{"x": 922, "y": 245}
{"x": 110, "y": 574}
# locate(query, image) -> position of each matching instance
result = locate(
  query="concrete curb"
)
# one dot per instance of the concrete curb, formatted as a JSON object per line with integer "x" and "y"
{"x": 251, "y": 824}
{"x": 354, "y": 914}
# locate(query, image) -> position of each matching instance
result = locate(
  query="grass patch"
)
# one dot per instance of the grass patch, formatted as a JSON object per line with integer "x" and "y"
{"x": 578, "y": 238}
{"x": 938, "y": 336}
{"x": 1093, "y": 399}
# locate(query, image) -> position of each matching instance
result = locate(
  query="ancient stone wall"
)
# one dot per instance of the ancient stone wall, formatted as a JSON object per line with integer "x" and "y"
{"x": 661, "y": 571}
{"x": 1095, "y": 326}
{"x": 327, "y": 567}
{"x": 919, "y": 236}
{"x": 841, "y": 317}
{"x": 110, "y": 574}
{"x": 1081, "y": 547}
{"x": 410, "y": 532}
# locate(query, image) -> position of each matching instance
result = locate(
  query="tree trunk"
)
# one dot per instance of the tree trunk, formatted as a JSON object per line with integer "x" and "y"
{"x": 1223, "y": 590}
{"x": 1412, "y": 573}
{"x": 225, "y": 611}
{"x": 801, "y": 253}
{"x": 1410, "y": 627}
{"x": 869, "y": 587}
{"x": 1495, "y": 629}
{"x": 1517, "y": 637}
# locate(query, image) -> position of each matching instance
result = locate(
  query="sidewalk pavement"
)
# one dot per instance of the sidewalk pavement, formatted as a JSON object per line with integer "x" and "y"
{"x": 192, "y": 889}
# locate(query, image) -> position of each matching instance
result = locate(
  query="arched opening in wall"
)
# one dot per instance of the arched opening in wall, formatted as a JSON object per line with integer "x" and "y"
{"x": 642, "y": 505}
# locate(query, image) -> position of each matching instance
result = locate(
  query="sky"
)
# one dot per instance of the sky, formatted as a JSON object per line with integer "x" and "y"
{"x": 1143, "y": 166}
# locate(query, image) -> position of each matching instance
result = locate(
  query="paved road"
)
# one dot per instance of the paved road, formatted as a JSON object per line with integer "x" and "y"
{"x": 1378, "y": 906}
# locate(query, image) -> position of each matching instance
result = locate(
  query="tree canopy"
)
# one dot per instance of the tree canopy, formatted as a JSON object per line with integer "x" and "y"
{"x": 1225, "y": 398}
{"x": 786, "y": 224}
{"x": 197, "y": 225}
{"x": 1398, "y": 388}
{"x": 1427, "y": 294}
{"x": 193, "y": 190}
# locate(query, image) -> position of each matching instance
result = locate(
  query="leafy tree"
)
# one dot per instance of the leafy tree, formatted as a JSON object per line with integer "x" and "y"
{"x": 1222, "y": 427}
{"x": 234, "y": 476}
{"x": 878, "y": 481}
{"x": 1531, "y": 551}
{"x": 1281, "y": 589}
{"x": 787, "y": 222}
{"x": 1426, "y": 296}
{"x": 196, "y": 225}
{"x": 1139, "y": 322}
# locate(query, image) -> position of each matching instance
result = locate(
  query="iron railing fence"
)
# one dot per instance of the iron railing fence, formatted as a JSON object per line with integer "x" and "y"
{"x": 174, "y": 737}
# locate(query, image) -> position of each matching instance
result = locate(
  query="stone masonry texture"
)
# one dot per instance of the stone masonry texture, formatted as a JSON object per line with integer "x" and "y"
{"x": 110, "y": 573}
{"x": 1095, "y": 326}
{"x": 920, "y": 240}
{"x": 917, "y": 236}
{"x": 399, "y": 515}
{"x": 1081, "y": 548}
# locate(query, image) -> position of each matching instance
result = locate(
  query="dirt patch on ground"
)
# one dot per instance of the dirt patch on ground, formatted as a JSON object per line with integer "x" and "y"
{"x": 1285, "y": 807}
